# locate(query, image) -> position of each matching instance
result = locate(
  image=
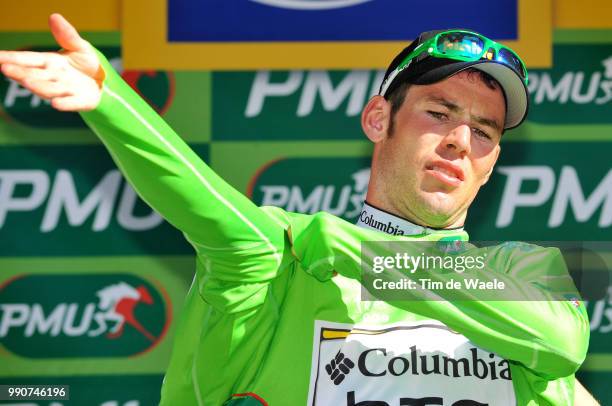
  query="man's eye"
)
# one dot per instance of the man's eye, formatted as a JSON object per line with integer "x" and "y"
{"x": 437, "y": 114}
{"x": 482, "y": 133}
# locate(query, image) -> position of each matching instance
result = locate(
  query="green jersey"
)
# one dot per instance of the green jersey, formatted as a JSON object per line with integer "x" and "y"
{"x": 274, "y": 314}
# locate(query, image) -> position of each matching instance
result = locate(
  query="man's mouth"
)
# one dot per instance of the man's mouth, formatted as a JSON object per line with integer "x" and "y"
{"x": 447, "y": 173}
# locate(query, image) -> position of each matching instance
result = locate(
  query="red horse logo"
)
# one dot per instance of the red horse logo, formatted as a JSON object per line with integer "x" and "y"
{"x": 117, "y": 303}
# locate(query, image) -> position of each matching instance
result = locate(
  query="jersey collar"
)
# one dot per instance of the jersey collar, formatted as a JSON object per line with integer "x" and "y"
{"x": 380, "y": 220}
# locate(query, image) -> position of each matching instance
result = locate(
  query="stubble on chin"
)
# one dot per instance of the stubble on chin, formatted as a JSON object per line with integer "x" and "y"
{"x": 436, "y": 208}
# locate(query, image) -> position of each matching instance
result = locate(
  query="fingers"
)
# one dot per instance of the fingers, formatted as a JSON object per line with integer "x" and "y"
{"x": 65, "y": 34}
{"x": 46, "y": 89}
{"x": 20, "y": 73}
{"x": 25, "y": 58}
{"x": 71, "y": 103}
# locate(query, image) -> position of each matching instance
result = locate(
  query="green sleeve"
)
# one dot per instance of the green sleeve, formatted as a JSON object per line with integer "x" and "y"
{"x": 236, "y": 241}
{"x": 547, "y": 335}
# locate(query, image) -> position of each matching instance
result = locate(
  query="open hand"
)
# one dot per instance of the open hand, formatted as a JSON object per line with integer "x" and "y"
{"x": 71, "y": 78}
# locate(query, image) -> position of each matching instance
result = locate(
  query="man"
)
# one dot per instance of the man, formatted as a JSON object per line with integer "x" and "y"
{"x": 274, "y": 315}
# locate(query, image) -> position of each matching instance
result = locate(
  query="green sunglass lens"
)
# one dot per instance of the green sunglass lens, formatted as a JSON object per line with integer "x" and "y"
{"x": 460, "y": 45}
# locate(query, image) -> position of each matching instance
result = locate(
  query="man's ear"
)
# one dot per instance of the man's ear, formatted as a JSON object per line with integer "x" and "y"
{"x": 488, "y": 175}
{"x": 375, "y": 118}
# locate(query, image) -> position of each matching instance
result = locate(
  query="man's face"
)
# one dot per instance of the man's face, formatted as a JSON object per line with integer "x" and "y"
{"x": 444, "y": 144}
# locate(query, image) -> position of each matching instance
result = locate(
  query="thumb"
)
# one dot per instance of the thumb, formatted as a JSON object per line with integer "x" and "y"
{"x": 65, "y": 34}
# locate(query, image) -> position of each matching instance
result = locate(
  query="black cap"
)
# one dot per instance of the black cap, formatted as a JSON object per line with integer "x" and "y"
{"x": 427, "y": 70}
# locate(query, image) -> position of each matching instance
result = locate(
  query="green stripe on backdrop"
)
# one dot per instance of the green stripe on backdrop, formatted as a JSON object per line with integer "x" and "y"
{"x": 253, "y": 156}
{"x": 599, "y": 362}
{"x": 580, "y": 36}
{"x": 16, "y": 40}
{"x": 534, "y": 132}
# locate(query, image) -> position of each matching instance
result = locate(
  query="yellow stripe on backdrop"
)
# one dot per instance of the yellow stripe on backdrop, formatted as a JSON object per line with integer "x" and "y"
{"x": 32, "y": 15}
{"x": 584, "y": 14}
{"x": 145, "y": 45}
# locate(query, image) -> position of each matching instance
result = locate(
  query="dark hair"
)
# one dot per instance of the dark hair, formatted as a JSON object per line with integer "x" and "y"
{"x": 398, "y": 95}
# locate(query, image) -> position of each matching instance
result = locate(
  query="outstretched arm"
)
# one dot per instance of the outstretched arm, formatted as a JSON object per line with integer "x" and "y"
{"x": 227, "y": 229}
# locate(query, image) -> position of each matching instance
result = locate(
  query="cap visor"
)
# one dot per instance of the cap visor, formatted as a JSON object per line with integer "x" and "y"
{"x": 515, "y": 92}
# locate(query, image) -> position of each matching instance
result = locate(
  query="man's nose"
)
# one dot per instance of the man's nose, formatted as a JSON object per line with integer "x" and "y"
{"x": 458, "y": 139}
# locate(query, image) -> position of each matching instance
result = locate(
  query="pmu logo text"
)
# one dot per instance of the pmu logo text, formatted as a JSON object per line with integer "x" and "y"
{"x": 82, "y": 315}
{"x": 309, "y": 185}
